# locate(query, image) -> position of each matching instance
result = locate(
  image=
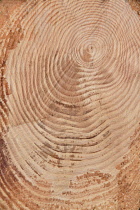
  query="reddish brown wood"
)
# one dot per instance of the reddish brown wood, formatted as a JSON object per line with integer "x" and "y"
{"x": 69, "y": 105}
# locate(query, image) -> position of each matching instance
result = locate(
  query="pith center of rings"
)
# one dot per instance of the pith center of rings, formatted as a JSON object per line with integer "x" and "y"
{"x": 88, "y": 53}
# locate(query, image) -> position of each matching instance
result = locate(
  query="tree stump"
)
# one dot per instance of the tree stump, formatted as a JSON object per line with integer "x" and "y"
{"x": 69, "y": 105}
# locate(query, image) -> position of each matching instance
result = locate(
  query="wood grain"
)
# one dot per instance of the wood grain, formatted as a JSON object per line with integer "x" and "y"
{"x": 69, "y": 106}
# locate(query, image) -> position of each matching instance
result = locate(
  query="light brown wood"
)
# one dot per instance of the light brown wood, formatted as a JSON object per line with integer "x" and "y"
{"x": 70, "y": 105}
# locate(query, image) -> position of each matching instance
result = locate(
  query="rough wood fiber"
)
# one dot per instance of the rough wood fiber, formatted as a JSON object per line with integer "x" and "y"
{"x": 69, "y": 105}
{"x": 135, "y": 4}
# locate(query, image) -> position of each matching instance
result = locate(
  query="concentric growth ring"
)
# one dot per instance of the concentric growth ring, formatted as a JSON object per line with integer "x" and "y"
{"x": 73, "y": 121}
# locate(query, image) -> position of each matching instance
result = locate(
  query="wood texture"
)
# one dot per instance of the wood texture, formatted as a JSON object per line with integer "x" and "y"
{"x": 70, "y": 105}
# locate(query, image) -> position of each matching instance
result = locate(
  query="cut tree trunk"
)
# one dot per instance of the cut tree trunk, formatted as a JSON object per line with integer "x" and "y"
{"x": 69, "y": 105}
